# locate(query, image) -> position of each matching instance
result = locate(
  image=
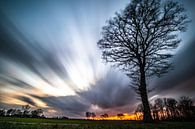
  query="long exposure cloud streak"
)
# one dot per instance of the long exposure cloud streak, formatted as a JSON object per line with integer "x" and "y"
{"x": 49, "y": 59}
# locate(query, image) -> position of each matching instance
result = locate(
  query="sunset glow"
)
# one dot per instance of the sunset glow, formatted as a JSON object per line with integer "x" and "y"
{"x": 125, "y": 116}
{"x": 50, "y": 59}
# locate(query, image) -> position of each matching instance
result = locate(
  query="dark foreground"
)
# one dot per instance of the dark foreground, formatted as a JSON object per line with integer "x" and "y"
{"x": 33, "y": 123}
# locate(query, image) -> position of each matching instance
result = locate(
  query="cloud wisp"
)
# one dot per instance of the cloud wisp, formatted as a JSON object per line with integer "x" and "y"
{"x": 49, "y": 59}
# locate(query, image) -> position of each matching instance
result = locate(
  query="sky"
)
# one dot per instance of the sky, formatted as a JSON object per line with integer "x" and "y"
{"x": 49, "y": 59}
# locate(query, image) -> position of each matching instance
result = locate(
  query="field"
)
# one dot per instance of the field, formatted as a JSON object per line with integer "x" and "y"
{"x": 33, "y": 123}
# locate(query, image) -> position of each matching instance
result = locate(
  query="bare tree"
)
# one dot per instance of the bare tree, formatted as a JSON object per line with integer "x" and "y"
{"x": 159, "y": 104}
{"x": 185, "y": 106}
{"x": 140, "y": 40}
{"x": 172, "y": 107}
{"x": 139, "y": 111}
{"x": 18, "y": 113}
{"x": 26, "y": 110}
{"x": 37, "y": 113}
{"x": 90, "y": 115}
{"x": 120, "y": 116}
{"x": 10, "y": 112}
{"x": 155, "y": 112}
{"x": 2, "y": 112}
{"x": 104, "y": 116}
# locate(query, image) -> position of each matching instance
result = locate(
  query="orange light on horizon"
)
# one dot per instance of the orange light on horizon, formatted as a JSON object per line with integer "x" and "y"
{"x": 126, "y": 116}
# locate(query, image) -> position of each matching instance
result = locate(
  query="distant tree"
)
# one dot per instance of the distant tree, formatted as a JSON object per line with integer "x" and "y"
{"x": 18, "y": 113}
{"x": 155, "y": 112}
{"x": 43, "y": 116}
{"x": 167, "y": 115}
{"x": 10, "y": 112}
{"x": 93, "y": 115}
{"x": 120, "y": 116}
{"x": 65, "y": 118}
{"x": 172, "y": 107}
{"x": 104, "y": 115}
{"x": 37, "y": 113}
{"x": 193, "y": 111}
{"x": 140, "y": 40}
{"x": 26, "y": 107}
{"x": 26, "y": 110}
{"x": 185, "y": 106}
{"x": 90, "y": 115}
{"x": 139, "y": 108}
{"x": 139, "y": 111}
{"x": 2, "y": 112}
{"x": 159, "y": 105}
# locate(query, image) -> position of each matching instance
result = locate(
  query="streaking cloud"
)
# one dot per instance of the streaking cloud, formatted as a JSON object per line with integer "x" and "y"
{"x": 49, "y": 58}
{"x": 51, "y": 50}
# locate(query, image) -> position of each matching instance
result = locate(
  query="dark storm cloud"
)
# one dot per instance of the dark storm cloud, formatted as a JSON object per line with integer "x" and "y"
{"x": 110, "y": 94}
{"x": 29, "y": 41}
{"x": 70, "y": 105}
{"x": 28, "y": 49}
{"x": 184, "y": 64}
{"x": 27, "y": 100}
{"x": 111, "y": 91}
{"x": 177, "y": 80}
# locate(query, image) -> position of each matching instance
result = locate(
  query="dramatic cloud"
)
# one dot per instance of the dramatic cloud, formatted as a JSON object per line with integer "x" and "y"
{"x": 49, "y": 59}
{"x": 27, "y": 100}
{"x": 180, "y": 81}
{"x": 183, "y": 70}
{"x": 110, "y": 94}
{"x": 69, "y": 105}
{"x": 110, "y": 91}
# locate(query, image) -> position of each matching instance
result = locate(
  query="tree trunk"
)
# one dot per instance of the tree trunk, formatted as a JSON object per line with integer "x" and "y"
{"x": 147, "y": 117}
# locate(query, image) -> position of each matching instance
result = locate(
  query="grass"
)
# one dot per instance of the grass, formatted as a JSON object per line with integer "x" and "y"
{"x": 33, "y": 123}
{"x": 40, "y": 120}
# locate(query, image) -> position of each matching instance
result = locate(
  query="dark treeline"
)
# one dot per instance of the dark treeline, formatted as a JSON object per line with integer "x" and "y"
{"x": 90, "y": 115}
{"x": 23, "y": 112}
{"x": 170, "y": 109}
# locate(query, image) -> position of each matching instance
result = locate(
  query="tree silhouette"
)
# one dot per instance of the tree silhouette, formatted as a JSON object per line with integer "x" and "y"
{"x": 11, "y": 112}
{"x": 159, "y": 105}
{"x": 172, "y": 107}
{"x": 185, "y": 106}
{"x": 37, "y": 113}
{"x": 26, "y": 110}
{"x": 139, "y": 111}
{"x": 140, "y": 40}
{"x": 104, "y": 116}
{"x": 18, "y": 113}
{"x": 90, "y": 115}
{"x": 155, "y": 111}
{"x": 120, "y": 116}
{"x": 2, "y": 112}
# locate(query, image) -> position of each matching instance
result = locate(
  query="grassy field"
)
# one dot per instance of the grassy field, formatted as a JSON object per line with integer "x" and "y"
{"x": 32, "y": 123}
